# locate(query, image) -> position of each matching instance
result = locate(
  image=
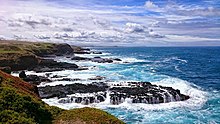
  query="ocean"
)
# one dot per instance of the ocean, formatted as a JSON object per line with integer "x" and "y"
{"x": 195, "y": 71}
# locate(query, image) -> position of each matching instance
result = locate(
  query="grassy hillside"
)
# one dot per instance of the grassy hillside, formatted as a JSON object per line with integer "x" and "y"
{"x": 86, "y": 115}
{"x": 20, "y": 104}
{"x": 22, "y": 47}
{"x": 19, "y": 55}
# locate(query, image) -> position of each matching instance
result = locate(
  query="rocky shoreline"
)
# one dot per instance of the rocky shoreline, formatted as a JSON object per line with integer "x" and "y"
{"x": 36, "y": 59}
{"x": 135, "y": 92}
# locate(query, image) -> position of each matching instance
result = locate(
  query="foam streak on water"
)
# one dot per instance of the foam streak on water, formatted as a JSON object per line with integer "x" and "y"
{"x": 161, "y": 66}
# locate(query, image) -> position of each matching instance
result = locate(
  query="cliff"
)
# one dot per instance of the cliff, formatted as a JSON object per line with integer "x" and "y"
{"x": 20, "y": 104}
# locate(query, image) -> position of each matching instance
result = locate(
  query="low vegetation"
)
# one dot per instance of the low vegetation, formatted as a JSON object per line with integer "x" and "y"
{"x": 19, "y": 100}
{"x": 86, "y": 115}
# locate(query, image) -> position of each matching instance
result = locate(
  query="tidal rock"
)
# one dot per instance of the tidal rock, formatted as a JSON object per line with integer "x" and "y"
{"x": 136, "y": 92}
{"x": 33, "y": 79}
{"x": 79, "y": 58}
{"x": 96, "y": 52}
{"x": 81, "y": 52}
{"x": 85, "y": 49}
{"x": 117, "y": 59}
{"x": 69, "y": 79}
{"x": 101, "y": 60}
{"x": 84, "y": 98}
{"x": 62, "y": 91}
{"x": 145, "y": 92}
{"x": 22, "y": 74}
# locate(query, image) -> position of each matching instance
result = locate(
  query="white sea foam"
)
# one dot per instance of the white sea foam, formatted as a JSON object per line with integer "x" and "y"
{"x": 28, "y": 73}
{"x": 131, "y": 60}
{"x": 174, "y": 58}
{"x": 177, "y": 68}
{"x": 197, "y": 99}
{"x": 82, "y": 75}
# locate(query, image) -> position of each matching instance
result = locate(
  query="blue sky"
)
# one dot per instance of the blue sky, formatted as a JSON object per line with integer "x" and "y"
{"x": 110, "y": 23}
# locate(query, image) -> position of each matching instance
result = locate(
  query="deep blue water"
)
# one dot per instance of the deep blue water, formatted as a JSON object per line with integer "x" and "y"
{"x": 198, "y": 67}
{"x": 195, "y": 71}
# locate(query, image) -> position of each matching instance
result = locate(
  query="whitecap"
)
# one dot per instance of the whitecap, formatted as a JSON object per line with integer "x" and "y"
{"x": 196, "y": 101}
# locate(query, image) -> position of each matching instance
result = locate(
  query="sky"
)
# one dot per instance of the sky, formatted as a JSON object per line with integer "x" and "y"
{"x": 112, "y": 22}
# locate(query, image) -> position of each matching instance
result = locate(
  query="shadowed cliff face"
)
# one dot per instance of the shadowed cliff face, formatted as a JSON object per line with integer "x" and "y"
{"x": 18, "y": 55}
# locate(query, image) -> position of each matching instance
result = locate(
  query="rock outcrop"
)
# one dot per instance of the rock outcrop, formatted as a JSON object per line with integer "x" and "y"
{"x": 63, "y": 49}
{"x": 33, "y": 79}
{"x": 49, "y": 65}
{"x": 62, "y": 91}
{"x": 134, "y": 92}
{"x": 96, "y": 59}
{"x": 27, "y": 55}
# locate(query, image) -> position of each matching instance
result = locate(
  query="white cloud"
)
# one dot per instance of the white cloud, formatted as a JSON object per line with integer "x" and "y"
{"x": 134, "y": 28}
{"x": 110, "y": 25}
{"x": 152, "y": 7}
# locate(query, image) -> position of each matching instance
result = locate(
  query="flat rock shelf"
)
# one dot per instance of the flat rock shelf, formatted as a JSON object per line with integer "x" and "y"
{"x": 132, "y": 92}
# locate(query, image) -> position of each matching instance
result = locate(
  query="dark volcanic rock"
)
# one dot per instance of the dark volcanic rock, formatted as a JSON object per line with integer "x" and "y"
{"x": 33, "y": 79}
{"x": 96, "y": 52}
{"x": 137, "y": 92}
{"x": 101, "y": 60}
{"x": 81, "y": 52}
{"x": 97, "y": 59}
{"x": 79, "y": 58}
{"x": 117, "y": 59}
{"x": 20, "y": 63}
{"x": 62, "y": 91}
{"x": 145, "y": 92}
{"x": 69, "y": 79}
{"x": 22, "y": 74}
{"x": 63, "y": 49}
{"x": 49, "y": 65}
{"x": 27, "y": 62}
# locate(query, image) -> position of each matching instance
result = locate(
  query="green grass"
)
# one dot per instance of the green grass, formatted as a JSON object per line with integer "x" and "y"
{"x": 88, "y": 116}
{"x": 24, "y": 47}
{"x": 19, "y": 104}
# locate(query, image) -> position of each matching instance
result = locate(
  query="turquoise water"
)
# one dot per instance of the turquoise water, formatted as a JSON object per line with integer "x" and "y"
{"x": 196, "y": 67}
{"x": 195, "y": 71}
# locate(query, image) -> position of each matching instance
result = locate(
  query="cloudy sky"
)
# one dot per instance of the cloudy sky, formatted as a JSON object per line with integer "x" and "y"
{"x": 113, "y": 22}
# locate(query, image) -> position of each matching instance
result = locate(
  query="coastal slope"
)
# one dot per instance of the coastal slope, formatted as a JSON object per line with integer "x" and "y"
{"x": 20, "y": 104}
